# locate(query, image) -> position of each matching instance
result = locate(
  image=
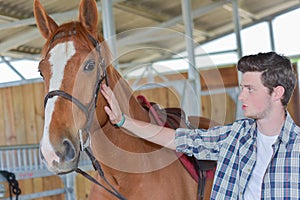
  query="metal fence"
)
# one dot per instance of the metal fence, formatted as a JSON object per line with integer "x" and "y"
{"x": 24, "y": 162}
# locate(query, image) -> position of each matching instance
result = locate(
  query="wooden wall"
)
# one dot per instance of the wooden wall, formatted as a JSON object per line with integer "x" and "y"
{"x": 21, "y": 117}
{"x": 213, "y": 106}
{"x": 21, "y": 114}
{"x": 21, "y": 122}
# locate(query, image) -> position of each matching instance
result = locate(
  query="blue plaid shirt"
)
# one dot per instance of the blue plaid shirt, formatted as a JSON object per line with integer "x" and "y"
{"x": 234, "y": 147}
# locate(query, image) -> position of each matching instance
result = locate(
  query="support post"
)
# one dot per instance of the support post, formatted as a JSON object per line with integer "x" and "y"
{"x": 109, "y": 31}
{"x": 69, "y": 183}
{"x": 236, "y": 20}
{"x": 193, "y": 74}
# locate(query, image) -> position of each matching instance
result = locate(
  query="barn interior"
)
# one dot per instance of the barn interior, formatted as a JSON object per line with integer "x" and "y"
{"x": 146, "y": 38}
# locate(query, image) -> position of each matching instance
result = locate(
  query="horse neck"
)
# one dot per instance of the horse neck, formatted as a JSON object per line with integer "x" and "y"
{"x": 126, "y": 98}
{"x": 120, "y": 151}
{"x": 132, "y": 108}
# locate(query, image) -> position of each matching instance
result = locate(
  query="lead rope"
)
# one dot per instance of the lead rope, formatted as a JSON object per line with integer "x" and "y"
{"x": 13, "y": 183}
{"x": 97, "y": 167}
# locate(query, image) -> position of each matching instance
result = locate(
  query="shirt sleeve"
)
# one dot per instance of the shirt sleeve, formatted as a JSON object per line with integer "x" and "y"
{"x": 201, "y": 143}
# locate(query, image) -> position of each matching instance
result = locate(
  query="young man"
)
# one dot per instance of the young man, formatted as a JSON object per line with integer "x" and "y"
{"x": 259, "y": 156}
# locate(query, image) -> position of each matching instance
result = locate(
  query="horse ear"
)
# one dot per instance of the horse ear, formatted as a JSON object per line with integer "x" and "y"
{"x": 45, "y": 24}
{"x": 88, "y": 15}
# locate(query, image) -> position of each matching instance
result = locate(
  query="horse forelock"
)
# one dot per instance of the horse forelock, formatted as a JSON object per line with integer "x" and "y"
{"x": 68, "y": 31}
{"x": 76, "y": 32}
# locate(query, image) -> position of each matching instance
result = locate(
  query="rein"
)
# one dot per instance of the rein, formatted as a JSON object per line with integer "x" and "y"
{"x": 89, "y": 113}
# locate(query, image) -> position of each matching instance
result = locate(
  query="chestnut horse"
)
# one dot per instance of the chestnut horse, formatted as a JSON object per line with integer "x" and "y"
{"x": 75, "y": 61}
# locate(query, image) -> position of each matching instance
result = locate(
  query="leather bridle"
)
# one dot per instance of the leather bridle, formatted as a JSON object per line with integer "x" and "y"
{"x": 90, "y": 109}
{"x": 89, "y": 112}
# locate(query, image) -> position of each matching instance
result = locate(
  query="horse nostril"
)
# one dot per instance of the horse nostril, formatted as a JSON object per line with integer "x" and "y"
{"x": 69, "y": 150}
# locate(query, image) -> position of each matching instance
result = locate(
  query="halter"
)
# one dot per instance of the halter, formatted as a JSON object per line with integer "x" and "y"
{"x": 89, "y": 111}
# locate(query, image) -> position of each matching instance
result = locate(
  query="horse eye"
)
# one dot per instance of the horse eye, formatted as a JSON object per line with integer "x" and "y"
{"x": 89, "y": 66}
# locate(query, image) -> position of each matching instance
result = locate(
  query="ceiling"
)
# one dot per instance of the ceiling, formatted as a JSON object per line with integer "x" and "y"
{"x": 146, "y": 30}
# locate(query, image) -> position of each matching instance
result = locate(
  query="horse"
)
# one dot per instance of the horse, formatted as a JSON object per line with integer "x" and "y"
{"x": 75, "y": 61}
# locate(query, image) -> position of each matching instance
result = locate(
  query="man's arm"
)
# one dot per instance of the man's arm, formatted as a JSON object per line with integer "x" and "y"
{"x": 153, "y": 133}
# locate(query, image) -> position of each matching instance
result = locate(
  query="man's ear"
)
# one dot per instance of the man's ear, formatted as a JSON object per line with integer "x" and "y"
{"x": 278, "y": 92}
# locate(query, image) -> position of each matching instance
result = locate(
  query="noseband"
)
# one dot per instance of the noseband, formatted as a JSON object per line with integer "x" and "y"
{"x": 89, "y": 111}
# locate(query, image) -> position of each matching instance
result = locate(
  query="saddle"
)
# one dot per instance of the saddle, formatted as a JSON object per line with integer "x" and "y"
{"x": 174, "y": 118}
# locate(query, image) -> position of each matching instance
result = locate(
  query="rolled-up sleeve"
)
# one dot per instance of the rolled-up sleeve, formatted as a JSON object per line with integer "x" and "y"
{"x": 201, "y": 143}
{"x": 183, "y": 140}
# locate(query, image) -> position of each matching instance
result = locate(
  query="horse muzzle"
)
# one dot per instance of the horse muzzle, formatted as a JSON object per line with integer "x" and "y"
{"x": 60, "y": 160}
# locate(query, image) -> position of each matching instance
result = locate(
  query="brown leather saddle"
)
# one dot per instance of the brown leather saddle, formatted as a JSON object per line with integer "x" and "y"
{"x": 175, "y": 118}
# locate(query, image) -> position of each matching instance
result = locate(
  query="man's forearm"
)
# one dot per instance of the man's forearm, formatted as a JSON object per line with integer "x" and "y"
{"x": 153, "y": 133}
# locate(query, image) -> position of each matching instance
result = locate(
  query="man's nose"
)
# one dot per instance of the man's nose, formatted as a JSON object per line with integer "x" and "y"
{"x": 241, "y": 95}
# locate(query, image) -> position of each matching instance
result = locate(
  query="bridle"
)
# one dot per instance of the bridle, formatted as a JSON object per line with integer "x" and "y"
{"x": 89, "y": 112}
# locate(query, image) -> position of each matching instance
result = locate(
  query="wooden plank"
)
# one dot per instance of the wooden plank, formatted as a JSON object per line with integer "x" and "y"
{"x": 294, "y": 104}
{"x": 29, "y": 113}
{"x": 10, "y": 133}
{"x": 18, "y": 110}
{"x": 219, "y": 107}
{"x": 38, "y": 185}
{"x": 210, "y": 78}
{"x": 38, "y": 94}
{"x": 166, "y": 97}
{"x": 218, "y": 78}
{"x": 83, "y": 186}
{"x": 2, "y": 119}
{"x": 50, "y": 183}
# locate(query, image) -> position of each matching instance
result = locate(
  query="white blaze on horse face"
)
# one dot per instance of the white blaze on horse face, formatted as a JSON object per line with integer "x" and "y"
{"x": 59, "y": 57}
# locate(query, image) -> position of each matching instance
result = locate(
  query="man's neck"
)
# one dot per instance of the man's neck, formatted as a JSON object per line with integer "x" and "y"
{"x": 272, "y": 124}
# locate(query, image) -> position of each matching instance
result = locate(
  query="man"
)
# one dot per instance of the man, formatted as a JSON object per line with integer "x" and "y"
{"x": 258, "y": 156}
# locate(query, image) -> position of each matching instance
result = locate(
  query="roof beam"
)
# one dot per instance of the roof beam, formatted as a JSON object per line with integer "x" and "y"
{"x": 242, "y": 12}
{"x": 19, "y": 39}
{"x": 141, "y": 11}
{"x": 196, "y": 13}
{"x": 29, "y": 35}
{"x": 20, "y": 55}
{"x": 58, "y": 17}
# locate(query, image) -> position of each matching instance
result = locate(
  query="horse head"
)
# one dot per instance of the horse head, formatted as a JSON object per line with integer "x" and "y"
{"x": 73, "y": 65}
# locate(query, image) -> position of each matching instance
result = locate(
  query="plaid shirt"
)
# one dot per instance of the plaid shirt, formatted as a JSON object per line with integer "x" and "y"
{"x": 234, "y": 147}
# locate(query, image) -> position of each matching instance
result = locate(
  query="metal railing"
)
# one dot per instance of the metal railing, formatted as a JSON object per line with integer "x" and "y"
{"x": 25, "y": 163}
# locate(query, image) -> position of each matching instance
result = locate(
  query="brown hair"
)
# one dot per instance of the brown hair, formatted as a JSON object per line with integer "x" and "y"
{"x": 277, "y": 71}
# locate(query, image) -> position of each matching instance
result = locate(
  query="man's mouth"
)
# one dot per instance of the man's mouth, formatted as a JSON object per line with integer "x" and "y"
{"x": 244, "y": 107}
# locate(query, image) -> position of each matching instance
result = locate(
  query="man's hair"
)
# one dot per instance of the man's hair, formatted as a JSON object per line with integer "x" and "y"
{"x": 277, "y": 70}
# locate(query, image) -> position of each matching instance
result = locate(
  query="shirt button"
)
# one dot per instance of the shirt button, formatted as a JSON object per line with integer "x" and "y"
{"x": 249, "y": 170}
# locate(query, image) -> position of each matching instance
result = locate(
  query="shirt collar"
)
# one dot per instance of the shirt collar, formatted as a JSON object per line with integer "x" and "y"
{"x": 288, "y": 132}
